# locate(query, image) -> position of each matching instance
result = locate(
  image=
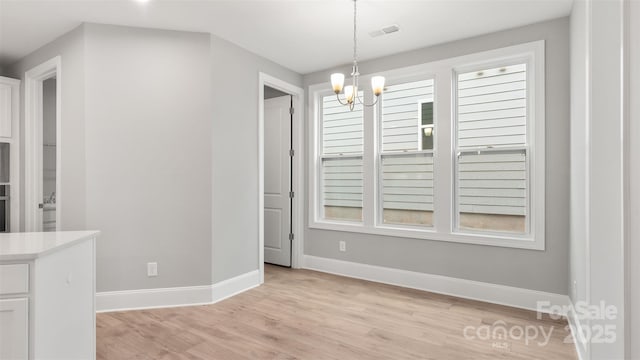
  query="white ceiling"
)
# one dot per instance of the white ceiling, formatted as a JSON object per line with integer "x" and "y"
{"x": 302, "y": 35}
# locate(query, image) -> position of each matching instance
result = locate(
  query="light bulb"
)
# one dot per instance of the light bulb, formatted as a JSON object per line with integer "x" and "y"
{"x": 349, "y": 92}
{"x": 337, "y": 81}
{"x": 377, "y": 85}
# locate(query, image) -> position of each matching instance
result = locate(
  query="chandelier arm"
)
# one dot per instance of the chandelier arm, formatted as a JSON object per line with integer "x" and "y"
{"x": 365, "y": 104}
{"x": 340, "y": 101}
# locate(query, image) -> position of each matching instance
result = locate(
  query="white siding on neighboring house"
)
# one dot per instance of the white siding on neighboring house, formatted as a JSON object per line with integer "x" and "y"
{"x": 342, "y": 179}
{"x": 407, "y": 182}
{"x": 492, "y": 183}
{"x": 342, "y": 131}
{"x": 492, "y": 114}
{"x": 342, "y": 144}
{"x": 492, "y": 107}
{"x": 400, "y": 114}
{"x": 407, "y": 176}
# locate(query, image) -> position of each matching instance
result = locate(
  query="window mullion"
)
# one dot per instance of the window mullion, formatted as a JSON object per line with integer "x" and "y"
{"x": 443, "y": 151}
{"x": 369, "y": 166}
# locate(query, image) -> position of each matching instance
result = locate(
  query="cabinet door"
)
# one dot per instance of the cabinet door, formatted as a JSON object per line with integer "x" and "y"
{"x": 6, "y": 111}
{"x": 14, "y": 329}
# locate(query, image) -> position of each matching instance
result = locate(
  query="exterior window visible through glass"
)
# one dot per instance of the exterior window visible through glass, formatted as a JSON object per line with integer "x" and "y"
{"x": 341, "y": 161}
{"x": 426, "y": 125}
{"x": 406, "y": 157}
{"x": 492, "y": 186}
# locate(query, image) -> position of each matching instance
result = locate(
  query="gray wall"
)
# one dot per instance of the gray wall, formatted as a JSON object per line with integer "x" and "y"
{"x": 235, "y": 155}
{"x": 71, "y": 49}
{"x": 165, "y": 159}
{"x": 148, "y": 155}
{"x": 539, "y": 270}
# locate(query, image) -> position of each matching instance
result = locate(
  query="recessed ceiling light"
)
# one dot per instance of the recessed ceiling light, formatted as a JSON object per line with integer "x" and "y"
{"x": 143, "y": 1}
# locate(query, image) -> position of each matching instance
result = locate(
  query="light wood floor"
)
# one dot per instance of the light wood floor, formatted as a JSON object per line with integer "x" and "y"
{"x": 301, "y": 314}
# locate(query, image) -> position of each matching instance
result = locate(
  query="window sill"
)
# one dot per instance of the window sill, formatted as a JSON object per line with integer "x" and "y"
{"x": 432, "y": 234}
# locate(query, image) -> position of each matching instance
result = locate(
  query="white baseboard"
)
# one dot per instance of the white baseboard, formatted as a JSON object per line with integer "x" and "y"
{"x": 174, "y": 297}
{"x": 228, "y": 288}
{"x": 468, "y": 289}
{"x": 576, "y": 329}
{"x": 152, "y": 298}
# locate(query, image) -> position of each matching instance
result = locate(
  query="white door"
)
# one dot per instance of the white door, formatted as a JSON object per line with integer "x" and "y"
{"x": 277, "y": 181}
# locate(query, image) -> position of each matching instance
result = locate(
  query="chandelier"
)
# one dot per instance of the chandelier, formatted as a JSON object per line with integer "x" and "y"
{"x": 350, "y": 93}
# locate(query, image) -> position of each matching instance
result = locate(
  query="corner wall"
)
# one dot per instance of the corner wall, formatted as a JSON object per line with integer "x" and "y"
{"x": 148, "y": 155}
{"x": 160, "y": 132}
{"x": 235, "y": 155}
{"x": 599, "y": 179}
{"x": 535, "y": 270}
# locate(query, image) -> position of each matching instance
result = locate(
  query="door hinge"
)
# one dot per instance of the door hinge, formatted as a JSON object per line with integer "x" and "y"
{"x": 290, "y": 236}
{"x": 291, "y": 194}
{"x": 292, "y": 152}
{"x": 292, "y": 110}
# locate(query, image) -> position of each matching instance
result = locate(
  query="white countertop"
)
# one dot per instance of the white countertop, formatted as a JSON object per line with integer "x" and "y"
{"x": 28, "y": 246}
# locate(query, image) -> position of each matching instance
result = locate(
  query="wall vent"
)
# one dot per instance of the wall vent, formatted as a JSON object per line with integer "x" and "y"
{"x": 385, "y": 30}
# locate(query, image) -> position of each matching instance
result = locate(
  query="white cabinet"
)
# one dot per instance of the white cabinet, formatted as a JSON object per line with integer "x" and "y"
{"x": 47, "y": 295}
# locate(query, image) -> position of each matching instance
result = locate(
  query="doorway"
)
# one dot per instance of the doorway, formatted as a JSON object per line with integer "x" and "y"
{"x": 280, "y": 201}
{"x": 278, "y": 184}
{"x": 42, "y": 150}
{"x": 49, "y": 152}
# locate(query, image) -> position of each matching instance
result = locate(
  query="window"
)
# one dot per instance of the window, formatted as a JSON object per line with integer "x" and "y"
{"x": 406, "y": 157}
{"x": 492, "y": 149}
{"x": 341, "y": 159}
{"x": 454, "y": 151}
{"x": 426, "y": 125}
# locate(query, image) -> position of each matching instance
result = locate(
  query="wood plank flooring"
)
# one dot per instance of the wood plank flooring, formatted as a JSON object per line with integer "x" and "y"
{"x": 301, "y": 314}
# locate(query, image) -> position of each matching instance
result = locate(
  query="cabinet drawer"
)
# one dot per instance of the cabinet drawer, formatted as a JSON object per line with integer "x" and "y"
{"x": 14, "y": 279}
{"x": 14, "y": 329}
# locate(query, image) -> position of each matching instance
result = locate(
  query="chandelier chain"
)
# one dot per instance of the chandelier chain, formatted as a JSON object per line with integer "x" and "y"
{"x": 355, "y": 37}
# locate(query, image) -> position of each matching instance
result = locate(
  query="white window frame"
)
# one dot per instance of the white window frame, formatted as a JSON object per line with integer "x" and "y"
{"x": 444, "y": 221}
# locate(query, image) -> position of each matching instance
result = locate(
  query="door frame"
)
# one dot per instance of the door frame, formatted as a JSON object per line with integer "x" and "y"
{"x": 33, "y": 103}
{"x": 297, "y": 223}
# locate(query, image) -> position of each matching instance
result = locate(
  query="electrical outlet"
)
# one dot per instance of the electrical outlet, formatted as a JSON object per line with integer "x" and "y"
{"x": 152, "y": 269}
{"x": 343, "y": 246}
